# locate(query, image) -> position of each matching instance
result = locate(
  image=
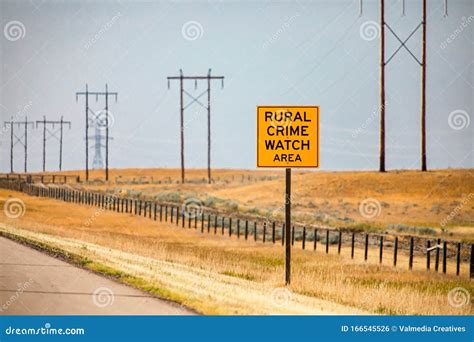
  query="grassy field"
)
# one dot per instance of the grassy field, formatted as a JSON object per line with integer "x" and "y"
{"x": 221, "y": 275}
{"x": 435, "y": 203}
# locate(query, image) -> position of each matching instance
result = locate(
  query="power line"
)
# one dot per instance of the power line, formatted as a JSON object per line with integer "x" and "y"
{"x": 421, "y": 63}
{"x": 195, "y": 99}
{"x": 106, "y": 94}
{"x": 96, "y": 121}
{"x": 53, "y": 134}
{"x": 23, "y": 140}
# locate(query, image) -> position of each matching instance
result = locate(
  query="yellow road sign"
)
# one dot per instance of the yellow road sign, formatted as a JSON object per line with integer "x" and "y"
{"x": 288, "y": 136}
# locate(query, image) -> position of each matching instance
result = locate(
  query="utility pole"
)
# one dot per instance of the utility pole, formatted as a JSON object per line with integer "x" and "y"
{"x": 23, "y": 140}
{"x": 422, "y": 64}
{"x": 423, "y": 89}
{"x": 61, "y": 142}
{"x": 382, "y": 87}
{"x": 86, "y": 95}
{"x": 195, "y": 99}
{"x": 52, "y": 134}
{"x": 97, "y": 94}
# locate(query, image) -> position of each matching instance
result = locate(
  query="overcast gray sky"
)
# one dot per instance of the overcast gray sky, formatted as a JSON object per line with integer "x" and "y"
{"x": 289, "y": 52}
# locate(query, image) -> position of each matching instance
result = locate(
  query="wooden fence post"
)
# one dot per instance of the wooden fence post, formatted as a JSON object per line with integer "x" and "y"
{"x": 327, "y": 241}
{"x": 238, "y": 228}
{"x": 264, "y": 231}
{"x": 292, "y": 235}
{"x": 445, "y": 255}
{"x": 304, "y": 238}
{"x": 428, "y": 254}
{"x": 202, "y": 222}
{"x": 246, "y": 229}
{"x": 339, "y": 242}
{"x": 352, "y": 244}
{"x": 283, "y": 234}
{"x": 230, "y": 226}
{"x": 223, "y": 223}
{"x": 273, "y": 232}
{"x": 315, "y": 239}
{"x": 437, "y": 255}
{"x": 255, "y": 231}
{"x": 410, "y": 260}
{"x": 172, "y": 213}
{"x": 381, "y": 250}
{"x": 458, "y": 259}
{"x": 366, "y": 250}
{"x": 215, "y": 224}
{"x": 395, "y": 251}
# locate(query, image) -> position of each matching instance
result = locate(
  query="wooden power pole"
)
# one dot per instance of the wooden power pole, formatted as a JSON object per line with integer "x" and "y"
{"x": 423, "y": 90}
{"x": 195, "y": 99}
{"x": 382, "y": 87}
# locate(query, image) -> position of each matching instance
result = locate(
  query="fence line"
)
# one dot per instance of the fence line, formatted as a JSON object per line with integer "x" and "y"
{"x": 172, "y": 213}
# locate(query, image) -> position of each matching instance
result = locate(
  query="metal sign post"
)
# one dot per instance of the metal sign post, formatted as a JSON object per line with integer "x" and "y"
{"x": 288, "y": 226}
{"x": 287, "y": 136}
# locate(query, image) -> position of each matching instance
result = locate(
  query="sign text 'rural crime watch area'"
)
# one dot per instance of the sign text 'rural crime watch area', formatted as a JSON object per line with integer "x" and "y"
{"x": 288, "y": 136}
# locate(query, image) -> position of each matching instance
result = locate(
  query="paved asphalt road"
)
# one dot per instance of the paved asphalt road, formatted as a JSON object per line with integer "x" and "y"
{"x": 33, "y": 283}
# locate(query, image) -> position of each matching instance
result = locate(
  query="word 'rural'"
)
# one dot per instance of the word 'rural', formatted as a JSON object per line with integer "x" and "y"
{"x": 286, "y": 129}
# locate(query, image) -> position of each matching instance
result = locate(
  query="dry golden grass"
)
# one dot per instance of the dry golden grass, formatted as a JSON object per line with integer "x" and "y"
{"x": 224, "y": 272}
{"x": 412, "y": 198}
